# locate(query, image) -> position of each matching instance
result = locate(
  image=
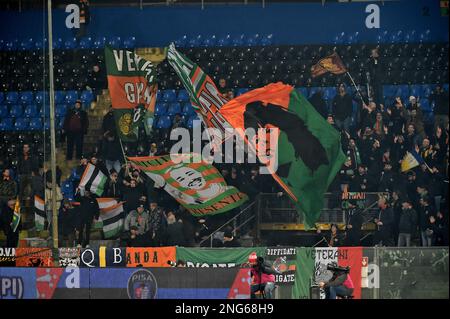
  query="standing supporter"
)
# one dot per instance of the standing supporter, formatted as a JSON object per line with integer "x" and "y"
{"x": 342, "y": 108}
{"x": 407, "y": 224}
{"x": 89, "y": 212}
{"x": 76, "y": 124}
{"x": 111, "y": 152}
{"x": 49, "y": 202}
{"x": 376, "y": 74}
{"x": 384, "y": 222}
{"x": 113, "y": 187}
{"x": 319, "y": 103}
{"x": 158, "y": 224}
{"x": 6, "y": 218}
{"x": 67, "y": 223}
{"x": 25, "y": 166}
{"x": 137, "y": 227}
{"x": 8, "y": 187}
{"x": 131, "y": 196}
{"x": 174, "y": 232}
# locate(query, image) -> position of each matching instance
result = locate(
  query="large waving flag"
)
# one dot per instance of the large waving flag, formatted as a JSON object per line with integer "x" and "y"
{"x": 16, "y": 217}
{"x": 39, "y": 213}
{"x": 93, "y": 180}
{"x": 132, "y": 86}
{"x": 111, "y": 215}
{"x": 204, "y": 95}
{"x": 197, "y": 186}
{"x": 308, "y": 148}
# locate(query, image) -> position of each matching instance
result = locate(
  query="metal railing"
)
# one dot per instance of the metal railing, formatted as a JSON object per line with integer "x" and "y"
{"x": 232, "y": 220}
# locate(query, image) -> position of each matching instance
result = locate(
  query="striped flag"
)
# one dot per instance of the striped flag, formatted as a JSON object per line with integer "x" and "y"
{"x": 39, "y": 213}
{"x": 16, "y": 217}
{"x": 93, "y": 180}
{"x": 111, "y": 215}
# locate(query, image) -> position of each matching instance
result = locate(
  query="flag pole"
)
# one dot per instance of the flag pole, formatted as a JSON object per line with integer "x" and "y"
{"x": 356, "y": 87}
{"x": 52, "y": 127}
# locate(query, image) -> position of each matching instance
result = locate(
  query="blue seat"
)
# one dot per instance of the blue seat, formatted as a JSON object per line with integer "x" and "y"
{"x": 242, "y": 91}
{"x": 6, "y": 124}
{"x": 160, "y": 109}
{"x": 267, "y": 40}
{"x": 16, "y": 111}
{"x": 44, "y": 111}
{"x": 115, "y": 42}
{"x": 181, "y": 42}
{"x": 59, "y": 123}
{"x": 70, "y": 43}
{"x": 427, "y": 89}
{"x": 174, "y": 108}
{"x": 168, "y": 96}
{"x": 209, "y": 41}
{"x": 411, "y": 36}
{"x": 382, "y": 37}
{"x": 445, "y": 86}
{"x": 425, "y": 105}
{"x": 339, "y": 38}
{"x": 12, "y": 45}
{"x": 402, "y": 91}
{"x": 67, "y": 189}
{"x": 238, "y": 41}
{"x": 4, "y": 112}
{"x": 39, "y": 44}
{"x": 71, "y": 97}
{"x": 195, "y": 41}
{"x": 58, "y": 43}
{"x": 86, "y": 97}
{"x": 41, "y": 97}
{"x": 129, "y": 43}
{"x": 46, "y": 124}
{"x": 31, "y": 110}
{"x": 183, "y": 96}
{"x": 99, "y": 43}
{"x": 27, "y": 44}
{"x": 12, "y": 97}
{"x": 60, "y": 97}
{"x": 253, "y": 40}
{"x": 313, "y": 90}
{"x": 188, "y": 110}
{"x": 192, "y": 121}
{"x": 26, "y": 97}
{"x": 416, "y": 90}
{"x": 2, "y": 97}
{"x": 164, "y": 122}
{"x": 61, "y": 110}
{"x": 85, "y": 43}
{"x": 224, "y": 41}
{"x": 21, "y": 124}
{"x": 303, "y": 91}
{"x": 35, "y": 124}
{"x": 329, "y": 93}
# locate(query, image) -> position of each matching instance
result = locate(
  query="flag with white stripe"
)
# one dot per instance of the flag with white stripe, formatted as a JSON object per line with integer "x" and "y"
{"x": 39, "y": 213}
{"x": 112, "y": 216}
{"x": 93, "y": 180}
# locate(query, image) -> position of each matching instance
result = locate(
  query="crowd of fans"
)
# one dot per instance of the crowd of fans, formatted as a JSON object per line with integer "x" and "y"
{"x": 375, "y": 140}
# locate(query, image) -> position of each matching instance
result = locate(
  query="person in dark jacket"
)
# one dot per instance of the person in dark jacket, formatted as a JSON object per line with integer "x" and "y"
{"x": 113, "y": 187}
{"x": 89, "y": 210}
{"x": 229, "y": 240}
{"x": 158, "y": 223}
{"x": 174, "y": 232}
{"x": 67, "y": 223}
{"x": 425, "y": 212}
{"x": 131, "y": 196}
{"x": 263, "y": 276}
{"x": 25, "y": 166}
{"x": 8, "y": 187}
{"x": 6, "y": 218}
{"x": 334, "y": 237}
{"x": 109, "y": 123}
{"x": 354, "y": 222}
{"x": 76, "y": 124}
{"x": 407, "y": 225}
{"x": 111, "y": 152}
{"x": 384, "y": 222}
{"x": 342, "y": 108}
{"x": 375, "y": 70}
{"x": 37, "y": 184}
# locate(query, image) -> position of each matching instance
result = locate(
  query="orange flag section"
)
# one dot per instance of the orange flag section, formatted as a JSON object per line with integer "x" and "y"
{"x": 275, "y": 93}
{"x": 129, "y": 91}
{"x": 150, "y": 257}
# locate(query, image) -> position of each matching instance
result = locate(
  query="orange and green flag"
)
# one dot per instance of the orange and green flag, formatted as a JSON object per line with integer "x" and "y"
{"x": 308, "y": 148}
{"x": 331, "y": 63}
{"x": 132, "y": 87}
{"x": 195, "y": 184}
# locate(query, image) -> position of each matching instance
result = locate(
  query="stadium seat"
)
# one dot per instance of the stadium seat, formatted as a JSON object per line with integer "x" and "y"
{"x": 188, "y": 110}
{"x": 60, "y": 97}
{"x": 174, "y": 108}
{"x": 242, "y": 91}
{"x": 85, "y": 43}
{"x": 35, "y": 124}
{"x": 164, "y": 122}
{"x": 416, "y": 90}
{"x": 267, "y": 40}
{"x": 183, "y": 96}
{"x": 26, "y": 97}
{"x": 16, "y": 111}
{"x": 44, "y": 111}
{"x": 195, "y": 41}
{"x": 71, "y": 97}
{"x": 61, "y": 110}
{"x": 209, "y": 41}
{"x": 129, "y": 43}
{"x": 6, "y": 124}
{"x": 329, "y": 93}
{"x": 12, "y": 45}
{"x": 303, "y": 91}
{"x": 30, "y": 111}
{"x": 168, "y": 96}
{"x": 114, "y": 42}
{"x": 2, "y": 97}
{"x": 181, "y": 42}
{"x": 224, "y": 41}
{"x": 21, "y": 124}
{"x": 86, "y": 97}
{"x": 12, "y": 97}
{"x": 26, "y": 44}
{"x": 99, "y": 43}
{"x": 160, "y": 109}
{"x": 4, "y": 112}
{"x": 41, "y": 97}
